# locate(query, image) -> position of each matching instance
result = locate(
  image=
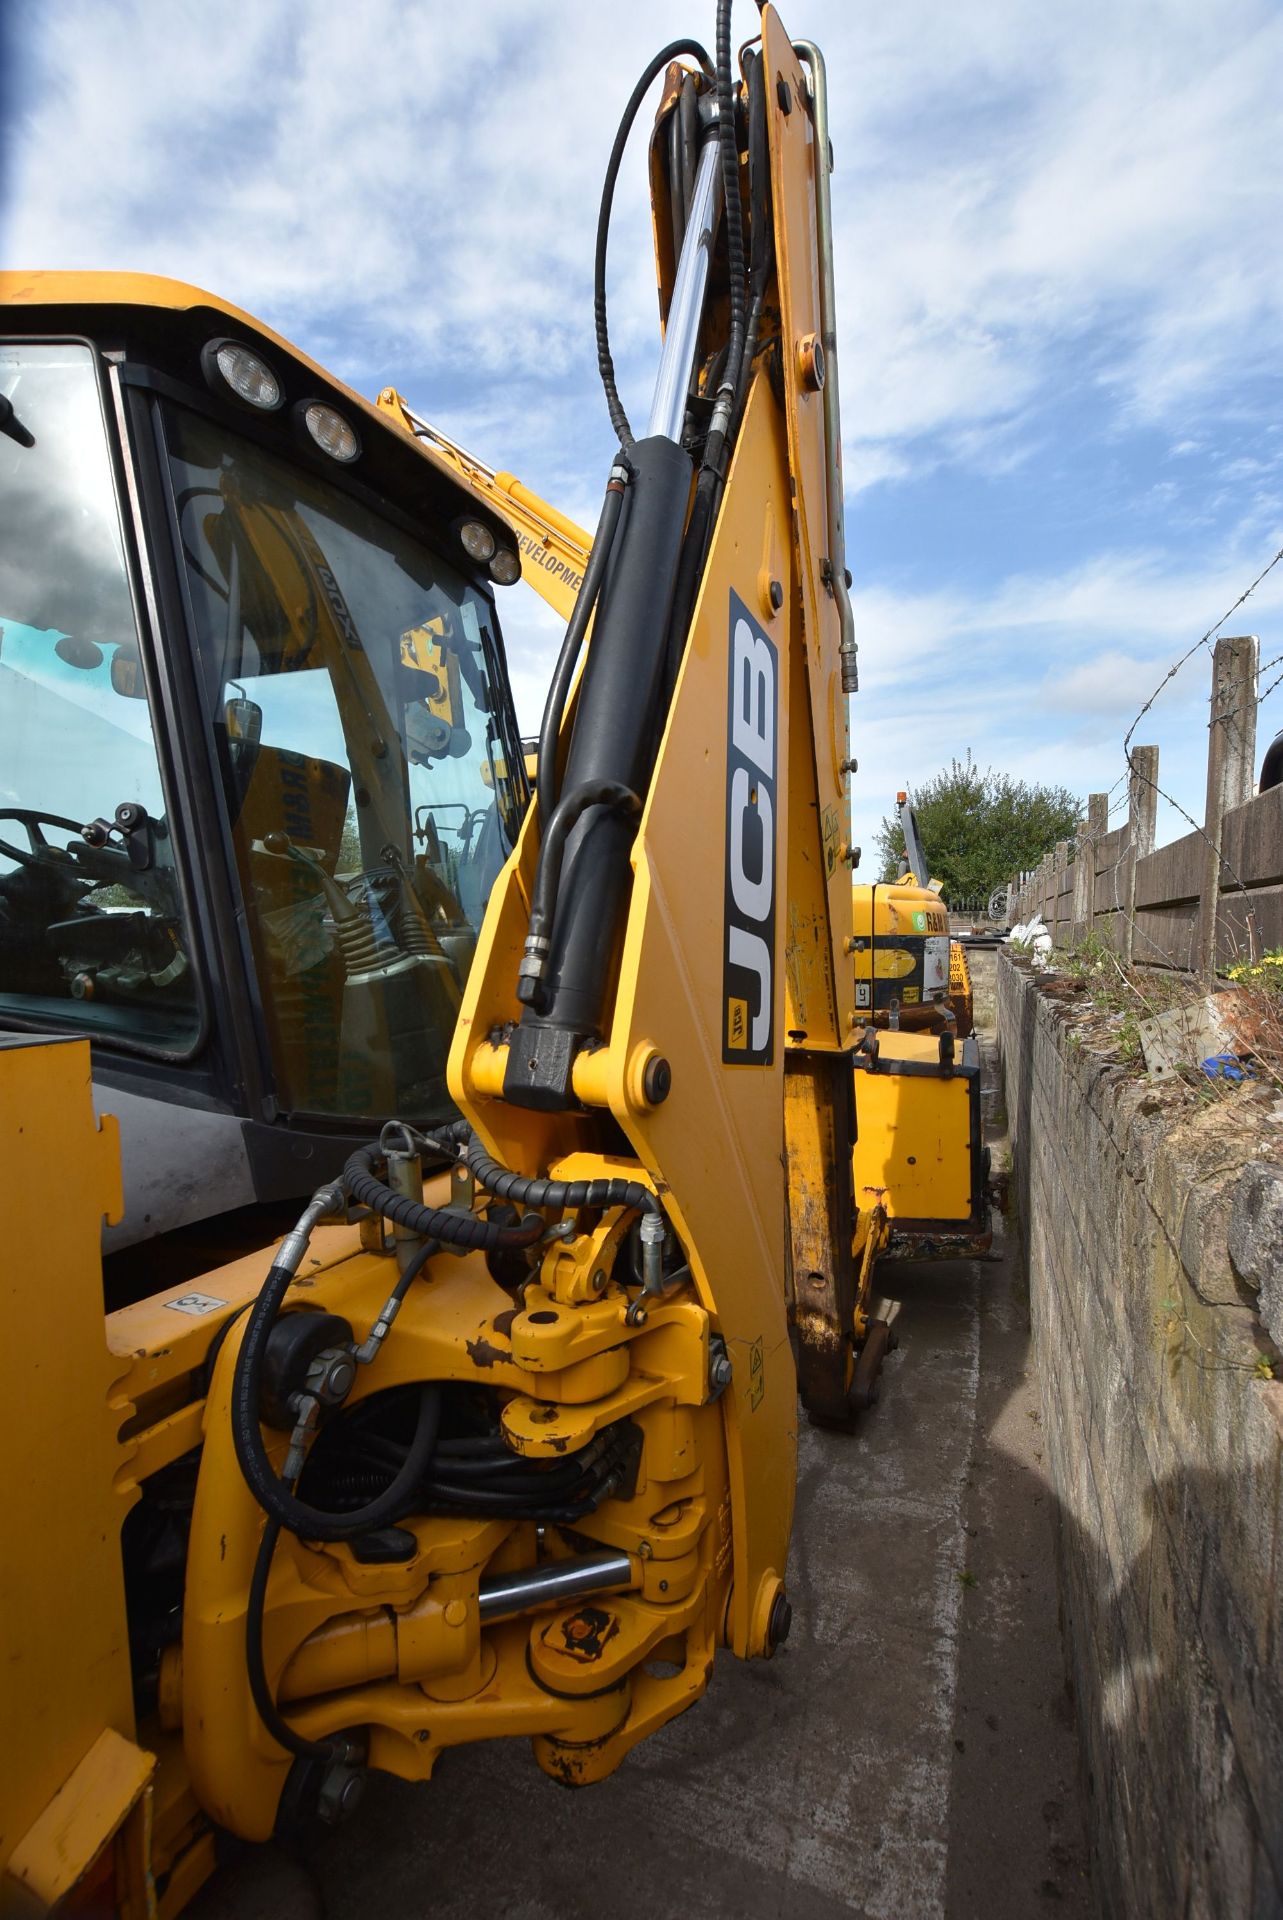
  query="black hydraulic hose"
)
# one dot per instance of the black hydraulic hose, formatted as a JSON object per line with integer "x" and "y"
{"x": 568, "y": 810}
{"x": 691, "y": 566}
{"x": 563, "y": 1195}
{"x": 606, "y": 366}
{"x": 564, "y": 671}
{"x": 268, "y": 1711}
{"x": 448, "y": 1224}
{"x": 729, "y": 146}
{"x": 762, "y": 228}
{"x": 414, "y": 1267}
{"x": 750, "y": 347}
{"x": 479, "y": 1446}
{"x": 263, "y": 1481}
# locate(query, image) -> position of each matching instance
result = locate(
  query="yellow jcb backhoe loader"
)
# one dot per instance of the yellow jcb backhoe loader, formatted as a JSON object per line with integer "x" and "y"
{"x": 497, "y": 1437}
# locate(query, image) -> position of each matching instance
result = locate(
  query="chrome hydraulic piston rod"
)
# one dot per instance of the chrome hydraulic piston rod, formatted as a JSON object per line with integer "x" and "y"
{"x": 686, "y": 309}
{"x": 529, "y": 1587}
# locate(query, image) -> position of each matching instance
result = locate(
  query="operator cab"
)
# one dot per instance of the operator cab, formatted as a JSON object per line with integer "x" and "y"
{"x": 258, "y": 762}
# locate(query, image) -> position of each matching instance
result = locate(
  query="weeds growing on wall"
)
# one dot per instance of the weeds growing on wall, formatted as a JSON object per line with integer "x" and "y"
{"x": 1259, "y": 1016}
{"x": 1115, "y": 1000}
{"x": 1123, "y": 996}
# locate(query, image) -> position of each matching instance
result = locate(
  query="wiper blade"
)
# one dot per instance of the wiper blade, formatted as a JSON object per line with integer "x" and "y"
{"x": 10, "y": 424}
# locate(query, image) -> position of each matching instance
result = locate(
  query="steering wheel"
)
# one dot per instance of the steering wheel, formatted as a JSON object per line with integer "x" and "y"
{"x": 31, "y": 818}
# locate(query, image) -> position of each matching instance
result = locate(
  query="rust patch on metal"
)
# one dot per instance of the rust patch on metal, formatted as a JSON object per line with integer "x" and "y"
{"x": 482, "y": 1354}
{"x": 583, "y": 1636}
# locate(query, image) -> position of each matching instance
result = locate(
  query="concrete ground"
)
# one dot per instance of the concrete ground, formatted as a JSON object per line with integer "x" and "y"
{"x": 908, "y": 1755}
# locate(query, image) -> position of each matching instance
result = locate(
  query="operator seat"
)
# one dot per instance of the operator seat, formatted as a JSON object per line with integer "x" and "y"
{"x": 300, "y": 973}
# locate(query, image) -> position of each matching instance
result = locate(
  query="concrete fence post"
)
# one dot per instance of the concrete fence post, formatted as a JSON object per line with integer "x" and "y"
{"x": 1061, "y": 867}
{"x": 1142, "y": 822}
{"x": 1090, "y": 833}
{"x": 1231, "y": 757}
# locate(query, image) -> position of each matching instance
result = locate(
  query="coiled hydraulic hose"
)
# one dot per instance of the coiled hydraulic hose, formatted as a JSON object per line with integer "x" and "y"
{"x": 560, "y": 1195}
{"x": 448, "y": 1224}
{"x": 606, "y": 366}
{"x": 554, "y": 1196}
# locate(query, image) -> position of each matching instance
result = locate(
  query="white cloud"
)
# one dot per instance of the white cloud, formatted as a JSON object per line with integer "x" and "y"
{"x": 1017, "y": 183}
{"x": 1042, "y": 676}
{"x": 424, "y": 182}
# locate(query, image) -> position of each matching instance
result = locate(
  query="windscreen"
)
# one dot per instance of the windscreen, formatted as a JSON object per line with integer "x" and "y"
{"x": 348, "y": 671}
{"x": 91, "y": 935}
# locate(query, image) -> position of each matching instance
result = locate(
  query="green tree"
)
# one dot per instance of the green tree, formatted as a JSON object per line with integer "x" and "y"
{"x": 978, "y": 827}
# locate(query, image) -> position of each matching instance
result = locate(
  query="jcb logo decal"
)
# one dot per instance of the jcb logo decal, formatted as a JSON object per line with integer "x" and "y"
{"x": 748, "y": 974}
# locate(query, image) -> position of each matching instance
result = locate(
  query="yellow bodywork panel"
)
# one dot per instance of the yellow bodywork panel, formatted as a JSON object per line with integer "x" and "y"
{"x": 59, "y": 1174}
{"x": 817, "y": 852}
{"x": 917, "y": 1144}
{"x": 106, "y": 1798}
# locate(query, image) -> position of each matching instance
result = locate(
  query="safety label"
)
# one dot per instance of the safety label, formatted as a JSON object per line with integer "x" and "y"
{"x": 935, "y": 971}
{"x": 195, "y": 1303}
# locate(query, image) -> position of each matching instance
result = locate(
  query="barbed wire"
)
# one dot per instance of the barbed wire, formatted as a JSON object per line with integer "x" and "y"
{"x": 1209, "y": 636}
{"x": 1124, "y": 787}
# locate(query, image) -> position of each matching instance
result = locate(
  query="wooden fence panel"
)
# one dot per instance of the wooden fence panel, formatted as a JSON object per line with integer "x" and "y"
{"x": 1252, "y": 842}
{"x": 1167, "y": 936}
{"x": 1173, "y": 874}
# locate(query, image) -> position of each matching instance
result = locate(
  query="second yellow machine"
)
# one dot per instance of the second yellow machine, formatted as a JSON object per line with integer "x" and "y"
{"x": 504, "y": 1443}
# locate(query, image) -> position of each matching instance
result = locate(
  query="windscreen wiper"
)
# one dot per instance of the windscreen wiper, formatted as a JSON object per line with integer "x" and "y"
{"x": 10, "y": 424}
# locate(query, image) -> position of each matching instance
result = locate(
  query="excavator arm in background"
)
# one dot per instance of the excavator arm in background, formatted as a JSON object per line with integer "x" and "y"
{"x": 554, "y": 551}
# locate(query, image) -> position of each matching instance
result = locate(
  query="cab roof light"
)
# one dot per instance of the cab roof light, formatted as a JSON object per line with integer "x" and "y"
{"x": 331, "y": 432}
{"x": 232, "y": 368}
{"x": 476, "y": 540}
{"x": 505, "y": 566}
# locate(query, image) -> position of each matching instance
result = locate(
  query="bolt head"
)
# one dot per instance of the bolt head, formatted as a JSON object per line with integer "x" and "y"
{"x": 657, "y": 1079}
{"x": 810, "y": 362}
{"x": 340, "y": 1377}
{"x": 781, "y": 1621}
{"x": 341, "y": 1793}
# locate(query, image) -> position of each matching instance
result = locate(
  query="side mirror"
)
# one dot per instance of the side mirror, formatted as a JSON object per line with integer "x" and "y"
{"x": 244, "y": 720}
{"x": 127, "y": 674}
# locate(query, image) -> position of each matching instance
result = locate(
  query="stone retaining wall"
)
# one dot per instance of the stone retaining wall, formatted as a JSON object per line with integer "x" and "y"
{"x": 1166, "y": 1451}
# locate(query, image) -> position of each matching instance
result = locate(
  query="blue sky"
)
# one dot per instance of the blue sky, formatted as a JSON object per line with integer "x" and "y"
{"x": 1059, "y": 281}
